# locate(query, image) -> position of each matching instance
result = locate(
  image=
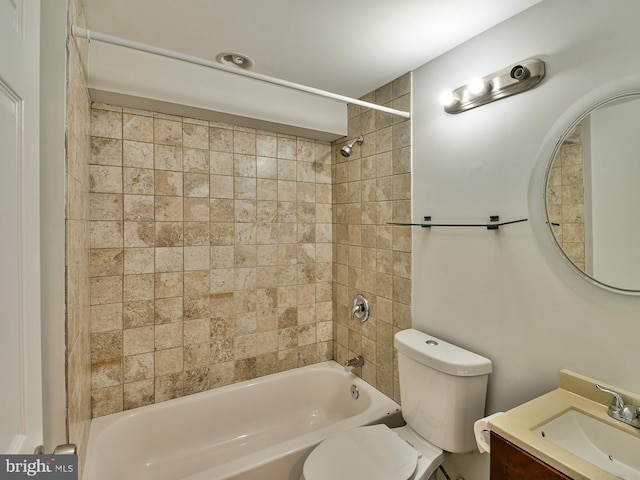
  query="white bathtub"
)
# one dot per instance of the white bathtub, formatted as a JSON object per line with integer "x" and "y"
{"x": 258, "y": 429}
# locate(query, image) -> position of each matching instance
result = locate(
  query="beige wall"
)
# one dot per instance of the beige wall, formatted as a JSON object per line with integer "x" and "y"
{"x": 373, "y": 187}
{"x": 77, "y": 241}
{"x": 210, "y": 255}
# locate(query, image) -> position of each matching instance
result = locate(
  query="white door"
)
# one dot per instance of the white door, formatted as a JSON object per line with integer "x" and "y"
{"x": 20, "y": 367}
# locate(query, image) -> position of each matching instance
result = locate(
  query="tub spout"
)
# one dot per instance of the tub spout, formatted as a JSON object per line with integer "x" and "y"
{"x": 353, "y": 363}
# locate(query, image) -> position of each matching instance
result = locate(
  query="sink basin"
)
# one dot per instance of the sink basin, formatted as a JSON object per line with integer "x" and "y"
{"x": 613, "y": 450}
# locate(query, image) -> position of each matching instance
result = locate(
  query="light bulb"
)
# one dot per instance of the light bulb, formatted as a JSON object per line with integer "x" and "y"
{"x": 477, "y": 86}
{"x": 448, "y": 98}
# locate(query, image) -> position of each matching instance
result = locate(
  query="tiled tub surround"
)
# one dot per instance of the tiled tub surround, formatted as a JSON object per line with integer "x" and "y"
{"x": 566, "y": 197}
{"x": 210, "y": 255}
{"x": 373, "y": 187}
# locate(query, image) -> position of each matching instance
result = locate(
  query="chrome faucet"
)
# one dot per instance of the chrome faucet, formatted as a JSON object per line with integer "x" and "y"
{"x": 353, "y": 363}
{"x": 628, "y": 414}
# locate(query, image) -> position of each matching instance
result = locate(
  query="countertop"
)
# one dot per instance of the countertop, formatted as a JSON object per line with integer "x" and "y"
{"x": 575, "y": 392}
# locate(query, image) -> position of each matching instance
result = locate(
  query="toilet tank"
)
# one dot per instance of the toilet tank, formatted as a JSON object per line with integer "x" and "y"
{"x": 443, "y": 389}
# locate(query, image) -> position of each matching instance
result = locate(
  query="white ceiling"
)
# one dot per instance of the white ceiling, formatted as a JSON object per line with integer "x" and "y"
{"x": 349, "y": 47}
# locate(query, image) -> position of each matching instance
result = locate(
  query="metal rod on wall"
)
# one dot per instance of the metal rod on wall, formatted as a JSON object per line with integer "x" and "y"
{"x": 143, "y": 47}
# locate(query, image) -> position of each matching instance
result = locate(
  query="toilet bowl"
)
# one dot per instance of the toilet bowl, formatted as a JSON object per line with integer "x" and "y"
{"x": 443, "y": 389}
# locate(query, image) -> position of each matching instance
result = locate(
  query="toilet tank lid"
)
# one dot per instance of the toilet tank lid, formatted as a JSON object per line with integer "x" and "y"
{"x": 441, "y": 355}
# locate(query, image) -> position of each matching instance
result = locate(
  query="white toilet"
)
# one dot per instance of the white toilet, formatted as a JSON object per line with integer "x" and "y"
{"x": 443, "y": 390}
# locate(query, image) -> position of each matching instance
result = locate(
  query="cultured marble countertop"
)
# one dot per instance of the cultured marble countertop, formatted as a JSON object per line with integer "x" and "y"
{"x": 574, "y": 392}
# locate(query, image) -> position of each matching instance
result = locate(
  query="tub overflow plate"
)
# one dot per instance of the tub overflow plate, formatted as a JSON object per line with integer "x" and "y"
{"x": 355, "y": 393}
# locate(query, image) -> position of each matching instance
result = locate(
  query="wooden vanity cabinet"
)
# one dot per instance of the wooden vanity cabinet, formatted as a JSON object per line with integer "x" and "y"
{"x": 509, "y": 462}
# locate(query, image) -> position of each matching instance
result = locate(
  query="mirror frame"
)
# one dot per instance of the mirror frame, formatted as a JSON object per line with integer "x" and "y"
{"x": 598, "y": 98}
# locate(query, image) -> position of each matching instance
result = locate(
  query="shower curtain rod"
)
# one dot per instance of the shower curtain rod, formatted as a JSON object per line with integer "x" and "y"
{"x": 143, "y": 47}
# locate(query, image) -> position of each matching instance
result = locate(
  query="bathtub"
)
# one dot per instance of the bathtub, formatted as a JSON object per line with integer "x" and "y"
{"x": 257, "y": 429}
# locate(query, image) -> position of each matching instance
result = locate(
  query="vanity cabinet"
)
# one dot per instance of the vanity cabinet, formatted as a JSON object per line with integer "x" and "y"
{"x": 509, "y": 462}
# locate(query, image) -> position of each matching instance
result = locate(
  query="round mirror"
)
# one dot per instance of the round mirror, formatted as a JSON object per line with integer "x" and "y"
{"x": 593, "y": 191}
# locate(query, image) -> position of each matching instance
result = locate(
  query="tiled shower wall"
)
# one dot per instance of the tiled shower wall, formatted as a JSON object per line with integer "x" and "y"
{"x": 77, "y": 239}
{"x": 210, "y": 255}
{"x": 373, "y": 187}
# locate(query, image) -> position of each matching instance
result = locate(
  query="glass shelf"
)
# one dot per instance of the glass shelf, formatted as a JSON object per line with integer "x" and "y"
{"x": 494, "y": 223}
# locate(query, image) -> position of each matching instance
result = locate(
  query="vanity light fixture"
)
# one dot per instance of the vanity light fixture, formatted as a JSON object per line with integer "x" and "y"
{"x": 501, "y": 84}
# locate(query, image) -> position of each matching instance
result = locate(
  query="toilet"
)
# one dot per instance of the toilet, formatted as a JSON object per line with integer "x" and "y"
{"x": 443, "y": 389}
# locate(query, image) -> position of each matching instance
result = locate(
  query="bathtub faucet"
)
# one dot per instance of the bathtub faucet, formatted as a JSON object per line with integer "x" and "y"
{"x": 353, "y": 363}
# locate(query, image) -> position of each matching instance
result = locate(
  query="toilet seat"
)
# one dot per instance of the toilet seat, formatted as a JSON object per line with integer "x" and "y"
{"x": 374, "y": 452}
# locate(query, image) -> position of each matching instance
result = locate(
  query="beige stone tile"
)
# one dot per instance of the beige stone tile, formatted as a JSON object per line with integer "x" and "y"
{"x": 106, "y": 374}
{"x": 167, "y": 132}
{"x": 195, "y": 136}
{"x": 138, "y": 287}
{"x": 166, "y": 157}
{"x": 137, "y": 154}
{"x": 138, "y": 260}
{"x": 138, "y": 394}
{"x": 105, "y": 262}
{"x": 168, "y": 182}
{"x": 169, "y": 209}
{"x": 244, "y": 278}
{"x": 139, "y": 234}
{"x": 169, "y": 386}
{"x": 196, "y": 234}
{"x": 138, "y": 340}
{"x": 197, "y": 209}
{"x": 222, "y": 234}
{"x": 168, "y": 310}
{"x": 169, "y": 259}
{"x": 287, "y": 147}
{"x": 105, "y": 123}
{"x": 138, "y": 207}
{"x": 402, "y": 160}
{"x": 106, "y": 151}
{"x": 220, "y": 139}
{"x": 266, "y": 189}
{"x": 222, "y": 280}
{"x": 137, "y": 127}
{"x": 106, "y": 346}
{"x": 244, "y": 142}
{"x": 106, "y": 317}
{"x": 244, "y": 165}
{"x": 196, "y": 331}
{"x": 222, "y": 257}
{"x": 197, "y": 359}
{"x": 197, "y": 282}
{"x": 106, "y": 401}
{"x": 266, "y": 145}
{"x": 221, "y": 163}
{"x": 105, "y": 179}
{"x": 168, "y": 284}
{"x": 168, "y": 335}
{"x": 244, "y": 188}
{"x": 169, "y": 234}
{"x": 221, "y": 186}
{"x": 168, "y": 361}
{"x": 196, "y": 185}
{"x": 138, "y": 181}
{"x": 267, "y": 167}
{"x": 196, "y": 258}
{"x": 105, "y": 290}
{"x": 138, "y": 367}
{"x": 245, "y": 233}
{"x": 138, "y": 313}
{"x": 195, "y": 160}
